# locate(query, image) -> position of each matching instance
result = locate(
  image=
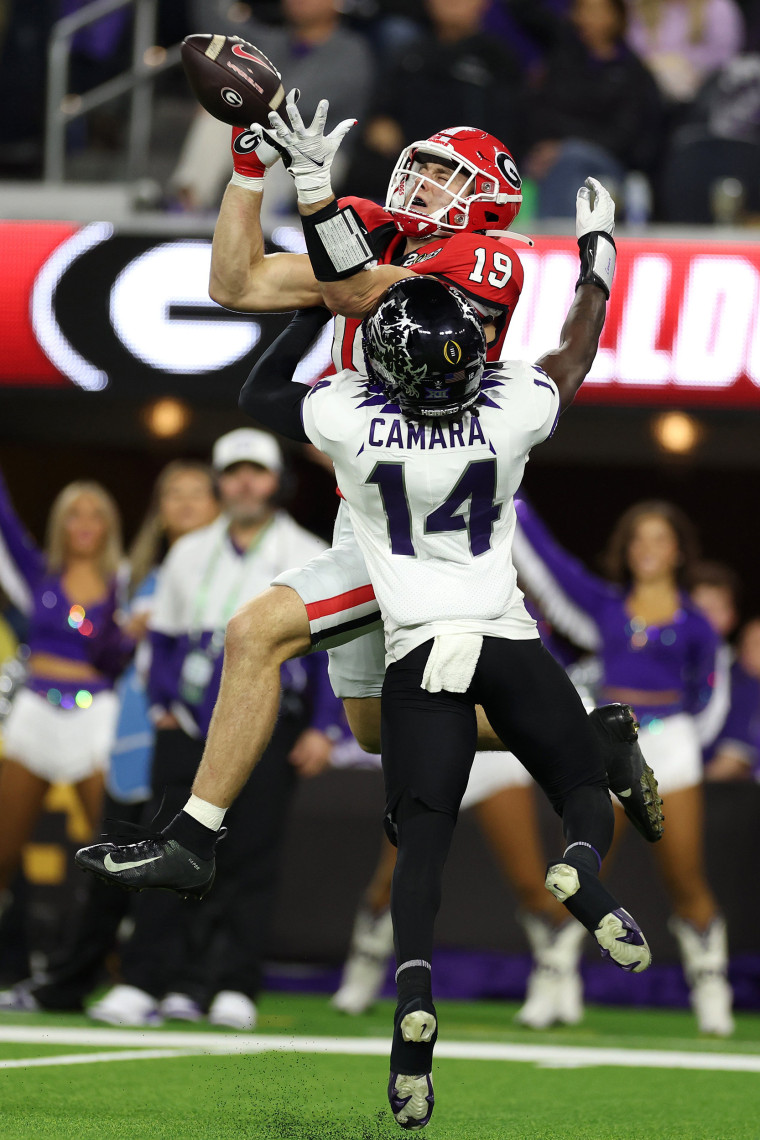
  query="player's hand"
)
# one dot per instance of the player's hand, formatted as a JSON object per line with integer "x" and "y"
{"x": 311, "y": 151}
{"x": 253, "y": 153}
{"x": 596, "y": 217}
{"x": 311, "y": 753}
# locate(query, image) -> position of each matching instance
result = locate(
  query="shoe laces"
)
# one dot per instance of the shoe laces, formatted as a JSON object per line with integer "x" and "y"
{"x": 136, "y": 833}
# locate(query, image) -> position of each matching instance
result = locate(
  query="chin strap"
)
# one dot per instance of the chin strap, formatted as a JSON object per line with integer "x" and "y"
{"x": 511, "y": 234}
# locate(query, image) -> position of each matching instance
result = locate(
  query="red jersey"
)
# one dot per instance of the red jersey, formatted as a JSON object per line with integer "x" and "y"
{"x": 485, "y": 269}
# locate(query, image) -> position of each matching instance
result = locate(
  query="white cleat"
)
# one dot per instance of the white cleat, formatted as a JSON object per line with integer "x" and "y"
{"x": 562, "y": 881}
{"x": 126, "y": 1005}
{"x": 621, "y": 939}
{"x": 418, "y": 1026}
{"x": 367, "y": 964}
{"x": 411, "y": 1100}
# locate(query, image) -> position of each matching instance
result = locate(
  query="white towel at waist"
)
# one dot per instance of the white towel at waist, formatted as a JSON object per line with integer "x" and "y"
{"x": 452, "y": 662}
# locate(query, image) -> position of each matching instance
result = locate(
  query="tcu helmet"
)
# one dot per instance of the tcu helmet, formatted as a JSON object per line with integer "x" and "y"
{"x": 489, "y": 198}
{"x": 426, "y": 347}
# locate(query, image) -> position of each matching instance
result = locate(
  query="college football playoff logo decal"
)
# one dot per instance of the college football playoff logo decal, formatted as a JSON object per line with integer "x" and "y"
{"x": 507, "y": 167}
{"x": 452, "y": 352}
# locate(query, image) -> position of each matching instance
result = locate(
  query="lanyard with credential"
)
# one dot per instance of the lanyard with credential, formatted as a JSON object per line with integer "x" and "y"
{"x": 198, "y": 665}
{"x": 233, "y": 595}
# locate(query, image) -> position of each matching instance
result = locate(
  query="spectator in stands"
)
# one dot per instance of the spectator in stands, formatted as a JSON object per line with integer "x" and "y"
{"x": 206, "y": 576}
{"x": 315, "y": 53}
{"x": 60, "y": 728}
{"x": 24, "y": 26}
{"x": 452, "y": 74}
{"x": 595, "y": 109}
{"x": 712, "y": 172}
{"x": 683, "y": 41}
{"x": 733, "y": 752}
{"x": 660, "y": 655}
{"x": 184, "y": 499}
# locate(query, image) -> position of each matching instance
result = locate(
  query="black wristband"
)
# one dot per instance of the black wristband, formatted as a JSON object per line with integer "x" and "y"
{"x": 337, "y": 242}
{"x": 598, "y": 254}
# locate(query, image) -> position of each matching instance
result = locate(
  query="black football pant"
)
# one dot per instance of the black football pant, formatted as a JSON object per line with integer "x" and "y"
{"x": 429, "y": 742}
{"x": 200, "y": 948}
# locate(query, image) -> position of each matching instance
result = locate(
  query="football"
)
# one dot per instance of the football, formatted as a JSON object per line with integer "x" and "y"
{"x": 232, "y": 79}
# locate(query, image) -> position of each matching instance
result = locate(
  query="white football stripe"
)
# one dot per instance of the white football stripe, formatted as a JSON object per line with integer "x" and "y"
{"x": 91, "y": 1058}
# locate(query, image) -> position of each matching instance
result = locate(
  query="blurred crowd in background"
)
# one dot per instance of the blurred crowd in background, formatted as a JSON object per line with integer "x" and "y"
{"x": 111, "y": 664}
{"x": 658, "y": 98}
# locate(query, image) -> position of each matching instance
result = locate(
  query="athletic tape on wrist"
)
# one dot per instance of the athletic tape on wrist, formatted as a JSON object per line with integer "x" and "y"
{"x": 597, "y": 260}
{"x": 247, "y": 183}
{"x": 337, "y": 242}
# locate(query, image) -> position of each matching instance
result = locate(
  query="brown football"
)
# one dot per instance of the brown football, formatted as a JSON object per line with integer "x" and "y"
{"x": 232, "y": 79}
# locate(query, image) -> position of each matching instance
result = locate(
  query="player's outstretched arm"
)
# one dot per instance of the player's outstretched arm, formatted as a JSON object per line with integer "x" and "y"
{"x": 242, "y": 276}
{"x": 269, "y": 394}
{"x": 569, "y": 364}
{"x": 336, "y": 238}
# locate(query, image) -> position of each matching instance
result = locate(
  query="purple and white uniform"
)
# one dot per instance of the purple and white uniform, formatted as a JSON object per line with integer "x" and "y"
{"x": 60, "y": 730}
{"x": 683, "y": 657}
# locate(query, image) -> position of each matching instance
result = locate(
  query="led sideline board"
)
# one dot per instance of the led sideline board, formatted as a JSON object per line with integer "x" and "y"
{"x": 90, "y": 307}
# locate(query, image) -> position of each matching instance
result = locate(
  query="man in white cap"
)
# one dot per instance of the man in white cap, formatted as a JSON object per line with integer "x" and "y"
{"x": 207, "y": 575}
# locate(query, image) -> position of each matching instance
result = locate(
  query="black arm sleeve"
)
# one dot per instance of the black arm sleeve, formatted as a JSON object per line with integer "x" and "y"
{"x": 269, "y": 395}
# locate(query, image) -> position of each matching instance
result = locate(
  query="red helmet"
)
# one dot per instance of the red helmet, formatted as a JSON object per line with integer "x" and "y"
{"x": 489, "y": 199}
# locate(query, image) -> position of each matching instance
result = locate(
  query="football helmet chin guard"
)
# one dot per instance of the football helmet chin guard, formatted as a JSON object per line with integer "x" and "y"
{"x": 426, "y": 348}
{"x": 489, "y": 199}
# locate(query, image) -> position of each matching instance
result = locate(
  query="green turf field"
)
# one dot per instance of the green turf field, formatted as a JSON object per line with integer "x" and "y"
{"x": 315, "y": 1075}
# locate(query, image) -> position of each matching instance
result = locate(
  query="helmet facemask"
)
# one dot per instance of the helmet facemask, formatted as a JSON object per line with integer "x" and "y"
{"x": 454, "y": 216}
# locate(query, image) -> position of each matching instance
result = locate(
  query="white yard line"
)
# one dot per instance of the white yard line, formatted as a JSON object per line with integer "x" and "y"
{"x": 91, "y": 1058}
{"x": 559, "y": 1056}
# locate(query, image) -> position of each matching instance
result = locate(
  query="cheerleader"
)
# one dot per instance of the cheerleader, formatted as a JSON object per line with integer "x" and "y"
{"x": 60, "y": 728}
{"x": 660, "y": 655}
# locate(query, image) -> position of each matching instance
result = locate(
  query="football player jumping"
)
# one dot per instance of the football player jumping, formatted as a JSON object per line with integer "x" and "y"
{"x": 340, "y": 249}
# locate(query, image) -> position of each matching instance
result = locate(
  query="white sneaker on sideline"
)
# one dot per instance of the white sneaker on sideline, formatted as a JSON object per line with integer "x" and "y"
{"x": 233, "y": 1010}
{"x": 180, "y": 1007}
{"x": 367, "y": 963}
{"x": 126, "y": 1005}
{"x": 18, "y": 999}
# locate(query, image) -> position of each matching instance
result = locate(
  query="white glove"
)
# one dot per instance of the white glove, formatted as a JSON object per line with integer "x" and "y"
{"x": 259, "y": 140}
{"x": 311, "y": 151}
{"x": 599, "y": 217}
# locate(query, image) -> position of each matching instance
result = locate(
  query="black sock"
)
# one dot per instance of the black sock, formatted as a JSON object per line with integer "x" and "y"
{"x": 414, "y": 981}
{"x": 414, "y": 992}
{"x": 192, "y": 834}
{"x": 589, "y": 904}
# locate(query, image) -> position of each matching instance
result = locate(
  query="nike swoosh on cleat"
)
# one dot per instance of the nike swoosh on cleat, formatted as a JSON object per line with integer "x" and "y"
{"x": 110, "y": 865}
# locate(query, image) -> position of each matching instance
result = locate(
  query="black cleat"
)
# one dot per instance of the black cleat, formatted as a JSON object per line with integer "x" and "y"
{"x": 415, "y": 1031}
{"x": 630, "y": 777}
{"x": 157, "y": 862}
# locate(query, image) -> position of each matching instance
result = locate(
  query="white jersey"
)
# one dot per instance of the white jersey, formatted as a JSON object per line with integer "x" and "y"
{"x": 431, "y": 502}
